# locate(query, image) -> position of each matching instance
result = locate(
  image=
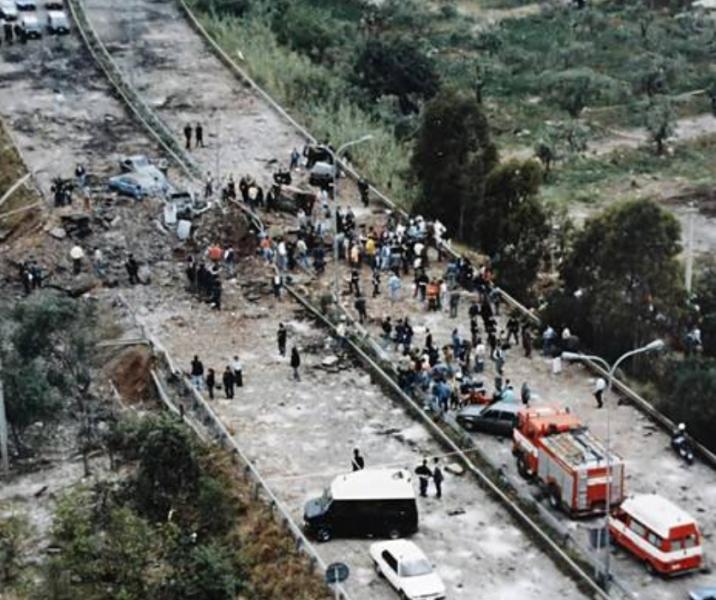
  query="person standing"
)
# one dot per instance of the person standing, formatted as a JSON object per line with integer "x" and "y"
{"x": 211, "y": 382}
{"x": 187, "y": 136}
{"x": 376, "y": 283}
{"x": 599, "y": 386}
{"x": 438, "y": 479}
{"x": 238, "y": 372}
{"x": 276, "y": 282}
{"x": 357, "y": 463}
{"x": 228, "y": 381}
{"x": 360, "y": 306}
{"x": 197, "y": 373}
{"x": 295, "y": 363}
{"x": 132, "y": 270}
{"x": 76, "y": 255}
{"x": 454, "y": 303}
{"x": 199, "y": 135}
{"x": 281, "y": 336}
{"x": 355, "y": 283}
{"x": 394, "y": 286}
{"x": 526, "y": 394}
{"x": 527, "y": 341}
{"x": 424, "y": 474}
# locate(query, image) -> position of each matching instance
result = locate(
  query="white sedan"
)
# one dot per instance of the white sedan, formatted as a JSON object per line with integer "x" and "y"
{"x": 407, "y": 569}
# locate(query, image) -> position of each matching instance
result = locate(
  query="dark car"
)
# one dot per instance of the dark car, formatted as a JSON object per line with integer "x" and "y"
{"x": 499, "y": 418}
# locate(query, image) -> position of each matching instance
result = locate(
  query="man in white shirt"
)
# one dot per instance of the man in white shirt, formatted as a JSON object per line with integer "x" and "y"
{"x": 599, "y": 386}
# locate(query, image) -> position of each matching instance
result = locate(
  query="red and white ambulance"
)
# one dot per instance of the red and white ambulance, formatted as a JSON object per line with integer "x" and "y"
{"x": 658, "y": 532}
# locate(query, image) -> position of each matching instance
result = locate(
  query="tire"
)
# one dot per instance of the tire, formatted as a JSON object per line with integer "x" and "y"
{"x": 554, "y": 497}
{"x": 650, "y": 568}
{"x": 403, "y": 595}
{"x": 523, "y": 469}
{"x": 394, "y": 533}
{"x": 324, "y": 535}
{"x": 378, "y": 572}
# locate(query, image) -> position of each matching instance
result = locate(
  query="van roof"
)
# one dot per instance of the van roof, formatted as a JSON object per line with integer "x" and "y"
{"x": 373, "y": 484}
{"x": 657, "y": 513}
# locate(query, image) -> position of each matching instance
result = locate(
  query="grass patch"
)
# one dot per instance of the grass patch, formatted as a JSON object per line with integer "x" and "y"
{"x": 592, "y": 177}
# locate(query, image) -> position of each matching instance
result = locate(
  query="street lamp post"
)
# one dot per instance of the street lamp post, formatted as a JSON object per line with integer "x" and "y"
{"x": 335, "y": 155}
{"x": 651, "y": 347}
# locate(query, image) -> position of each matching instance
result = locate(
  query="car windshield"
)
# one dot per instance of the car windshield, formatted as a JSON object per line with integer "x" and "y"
{"x": 416, "y": 567}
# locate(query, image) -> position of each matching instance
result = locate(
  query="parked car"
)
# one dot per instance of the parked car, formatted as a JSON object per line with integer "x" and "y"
{"x": 499, "y": 418}
{"x": 321, "y": 174}
{"x": 31, "y": 26}
{"x": 57, "y": 22}
{"x": 8, "y": 11}
{"x": 704, "y": 593}
{"x": 127, "y": 185}
{"x": 134, "y": 163}
{"x": 26, "y": 4}
{"x": 407, "y": 569}
{"x": 366, "y": 502}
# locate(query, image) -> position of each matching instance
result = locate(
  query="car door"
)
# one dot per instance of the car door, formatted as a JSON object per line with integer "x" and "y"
{"x": 505, "y": 423}
{"x": 488, "y": 421}
{"x": 389, "y": 566}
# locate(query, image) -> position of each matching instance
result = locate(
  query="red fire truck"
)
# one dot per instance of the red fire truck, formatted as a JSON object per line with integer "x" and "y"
{"x": 658, "y": 532}
{"x": 554, "y": 449}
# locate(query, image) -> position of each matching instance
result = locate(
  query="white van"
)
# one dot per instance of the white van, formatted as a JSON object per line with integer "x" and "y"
{"x": 31, "y": 26}
{"x": 57, "y": 22}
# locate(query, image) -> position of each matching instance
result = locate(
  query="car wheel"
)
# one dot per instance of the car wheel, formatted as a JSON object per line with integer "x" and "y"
{"x": 378, "y": 571}
{"x": 323, "y": 534}
{"x": 394, "y": 534}
{"x": 554, "y": 497}
{"x": 403, "y": 595}
{"x": 523, "y": 469}
{"x": 650, "y": 568}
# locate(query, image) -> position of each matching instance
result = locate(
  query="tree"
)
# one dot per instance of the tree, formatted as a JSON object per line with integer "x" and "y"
{"x": 168, "y": 465}
{"x": 48, "y": 354}
{"x": 210, "y": 575}
{"x": 659, "y": 120}
{"x": 452, "y": 155}
{"x": 706, "y": 299}
{"x": 622, "y": 281}
{"x": 14, "y": 535}
{"x": 306, "y": 29}
{"x": 398, "y": 67}
{"x": 688, "y": 397}
{"x": 711, "y": 93}
{"x": 574, "y": 89}
{"x": 513, "y": 225}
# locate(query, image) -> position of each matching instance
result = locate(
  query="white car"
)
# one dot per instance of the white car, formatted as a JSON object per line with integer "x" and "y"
{"x": 407, "y": 569}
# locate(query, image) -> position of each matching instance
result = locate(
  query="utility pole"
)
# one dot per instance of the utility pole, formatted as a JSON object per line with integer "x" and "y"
{"x": 3, "y": 430}
{"x": 690, "y": 249}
